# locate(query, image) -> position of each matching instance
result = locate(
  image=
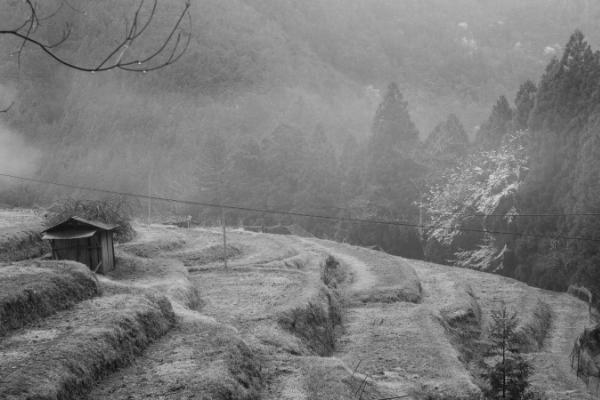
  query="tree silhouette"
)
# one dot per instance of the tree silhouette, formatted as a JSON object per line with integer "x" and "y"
{"x": 524, "y": 103}
{"x": 497, "y": 126}
{"x": 508, "y": 377}
{"x": 166, "y": 52}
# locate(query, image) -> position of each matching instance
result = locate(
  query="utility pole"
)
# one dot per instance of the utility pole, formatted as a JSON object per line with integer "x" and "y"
{"x": 420, "y": 206}
{"x": 224, "y": 237}
{"x": 221, "y": 197}
{"x": 149, "y": 195}
{"x": 420, "y": 216}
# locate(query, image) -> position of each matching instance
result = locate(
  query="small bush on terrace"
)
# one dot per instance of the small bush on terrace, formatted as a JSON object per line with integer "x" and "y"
{"x": 585, "y": 353}
{"x": 534, "y": 332}
{"x": 116, "y": 210}
{"x": 332, "y": 273}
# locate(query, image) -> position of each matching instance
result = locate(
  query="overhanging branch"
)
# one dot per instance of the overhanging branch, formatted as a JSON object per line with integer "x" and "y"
{"x": 167, "y": 52}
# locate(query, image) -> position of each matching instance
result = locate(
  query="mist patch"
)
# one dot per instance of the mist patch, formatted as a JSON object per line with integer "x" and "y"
{"x": 16, "y": 156}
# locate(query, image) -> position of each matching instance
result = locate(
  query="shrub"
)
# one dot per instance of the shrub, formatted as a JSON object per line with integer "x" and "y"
{"x": 581, "y": 292}
{"x": 316, "y": 323}
{"x": 584, "y": 354}
{"x": 22, "y": 244}
{"x": 116, "y": 210}
{"x": 534, "y": 332}
{"x": 588, "y": 275}
{"x": 508, "y": 375}
{"x": 332, "y": 272}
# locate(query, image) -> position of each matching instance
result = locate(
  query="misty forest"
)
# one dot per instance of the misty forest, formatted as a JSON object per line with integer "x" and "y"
{"x": 458, "y": 134}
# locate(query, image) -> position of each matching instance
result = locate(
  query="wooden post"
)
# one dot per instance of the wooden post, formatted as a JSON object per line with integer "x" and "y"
{"x": 149, "y": 195}
{"x": 224, "y": 237}
{"x": 421, "y": 218}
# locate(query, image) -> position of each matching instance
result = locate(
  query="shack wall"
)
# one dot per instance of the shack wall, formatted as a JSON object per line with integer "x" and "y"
{"x": 111, "y": 251}
{"x": 72, "y": 249}
{"x": 106, "y": 260}
{"x": 94, "y": 256}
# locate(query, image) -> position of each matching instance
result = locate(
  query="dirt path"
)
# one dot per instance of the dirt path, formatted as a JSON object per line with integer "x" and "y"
{"x": 399, "y": 343}
{"x": 233, "y": 346}
{"x": 377, "y": 334}
{"x": 553, "y": 373}
{"x": 553, "y": 366}
{"x": 363, "y": 277}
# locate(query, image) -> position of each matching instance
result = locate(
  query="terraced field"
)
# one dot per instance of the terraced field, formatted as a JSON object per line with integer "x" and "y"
{"x": 20, "y": 234}
{"x": 172, "y": 323}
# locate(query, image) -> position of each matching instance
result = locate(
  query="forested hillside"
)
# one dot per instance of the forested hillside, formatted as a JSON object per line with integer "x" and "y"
{"x": 288, "y": 105}
{"x": 529, "y": 199}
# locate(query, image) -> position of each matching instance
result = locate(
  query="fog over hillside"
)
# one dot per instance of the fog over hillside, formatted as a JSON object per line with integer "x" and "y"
{"x": 464, "y": 133}
{"x": 17, "y": 157}
{"x": 316, "y": 71}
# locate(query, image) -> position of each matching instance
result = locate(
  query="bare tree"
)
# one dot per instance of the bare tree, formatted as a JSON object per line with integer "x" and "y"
{"x": 167, "y": 51}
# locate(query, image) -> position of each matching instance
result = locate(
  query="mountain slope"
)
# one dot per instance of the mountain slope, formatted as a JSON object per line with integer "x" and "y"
{"x": 255, "y": 64}
{"x": 276, "y": 324}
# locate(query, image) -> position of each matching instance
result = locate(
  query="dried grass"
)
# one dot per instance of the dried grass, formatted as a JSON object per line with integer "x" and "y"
{"x": 330, "y": 379}
{"x": 152, "y": 248}
{"x": 462, "y": 320}
{"x": 387, "y": 295}
{"x": 534, "y": 331}
{"x": 317, "y": 322}
{"x": 378, "y": 277}
{"x": 586, "y": 354}
{"x": 333, "y": 274}
{"x": 116, "y": 210}
{"x": 582, "y": 293}
{"x": 200, "y": 359}
{"x": 207, "y": 255}
{"x": 137, "y": 275}
{"x": 22, "y": 243}
{"x": 69, "y": 352}
{"x": 29, "y": 292}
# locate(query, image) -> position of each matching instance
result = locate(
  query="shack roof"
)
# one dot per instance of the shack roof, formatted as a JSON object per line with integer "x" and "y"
{"x": 79, "y": 224}
{"x": 69, "y": 234}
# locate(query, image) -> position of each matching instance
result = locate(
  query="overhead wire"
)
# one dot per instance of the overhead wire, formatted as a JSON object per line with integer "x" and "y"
{"x": 293, "y": 213}
{"x": 507, "y": 215}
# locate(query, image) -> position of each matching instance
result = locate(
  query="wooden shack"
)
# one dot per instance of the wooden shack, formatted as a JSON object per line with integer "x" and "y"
{"x": 88, "y": 242}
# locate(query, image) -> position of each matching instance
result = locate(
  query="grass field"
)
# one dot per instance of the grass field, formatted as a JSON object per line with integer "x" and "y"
{"x": 172, "y": 322}
{"x": 62, "y": 356}
{"x": 20, "y": 235}
{"x": 31, "y": 292}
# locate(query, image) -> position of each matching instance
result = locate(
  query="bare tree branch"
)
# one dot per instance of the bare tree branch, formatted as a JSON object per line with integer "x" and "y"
{"x": 167, "y": 52}
{"x": 71, "y": 7}
{"x": 5, "y": 110}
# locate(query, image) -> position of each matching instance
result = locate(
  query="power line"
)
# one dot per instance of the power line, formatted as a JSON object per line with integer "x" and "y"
{"x": 508, "y": 215}
{"x": 291, "y": 213}
{"x": 519, "y": 215}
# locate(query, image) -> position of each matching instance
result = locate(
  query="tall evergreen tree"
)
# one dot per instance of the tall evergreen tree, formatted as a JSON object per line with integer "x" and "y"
{"x": 524, "y": 103}
{"x": 389, "y": 191}
{"x": 392, "y": 126}
{"x": 567, "y": 87}
{"x": 393, "y": 141}
{"x": 448, "y": 141}
{"x": 497, "y": 126}
{"x": 320, "y": 187}
{"x": 508, "y": 377}
{"x": 351, "y": 167}
{"x": 566, "y": 98}
{"x": 284, "y": 152}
